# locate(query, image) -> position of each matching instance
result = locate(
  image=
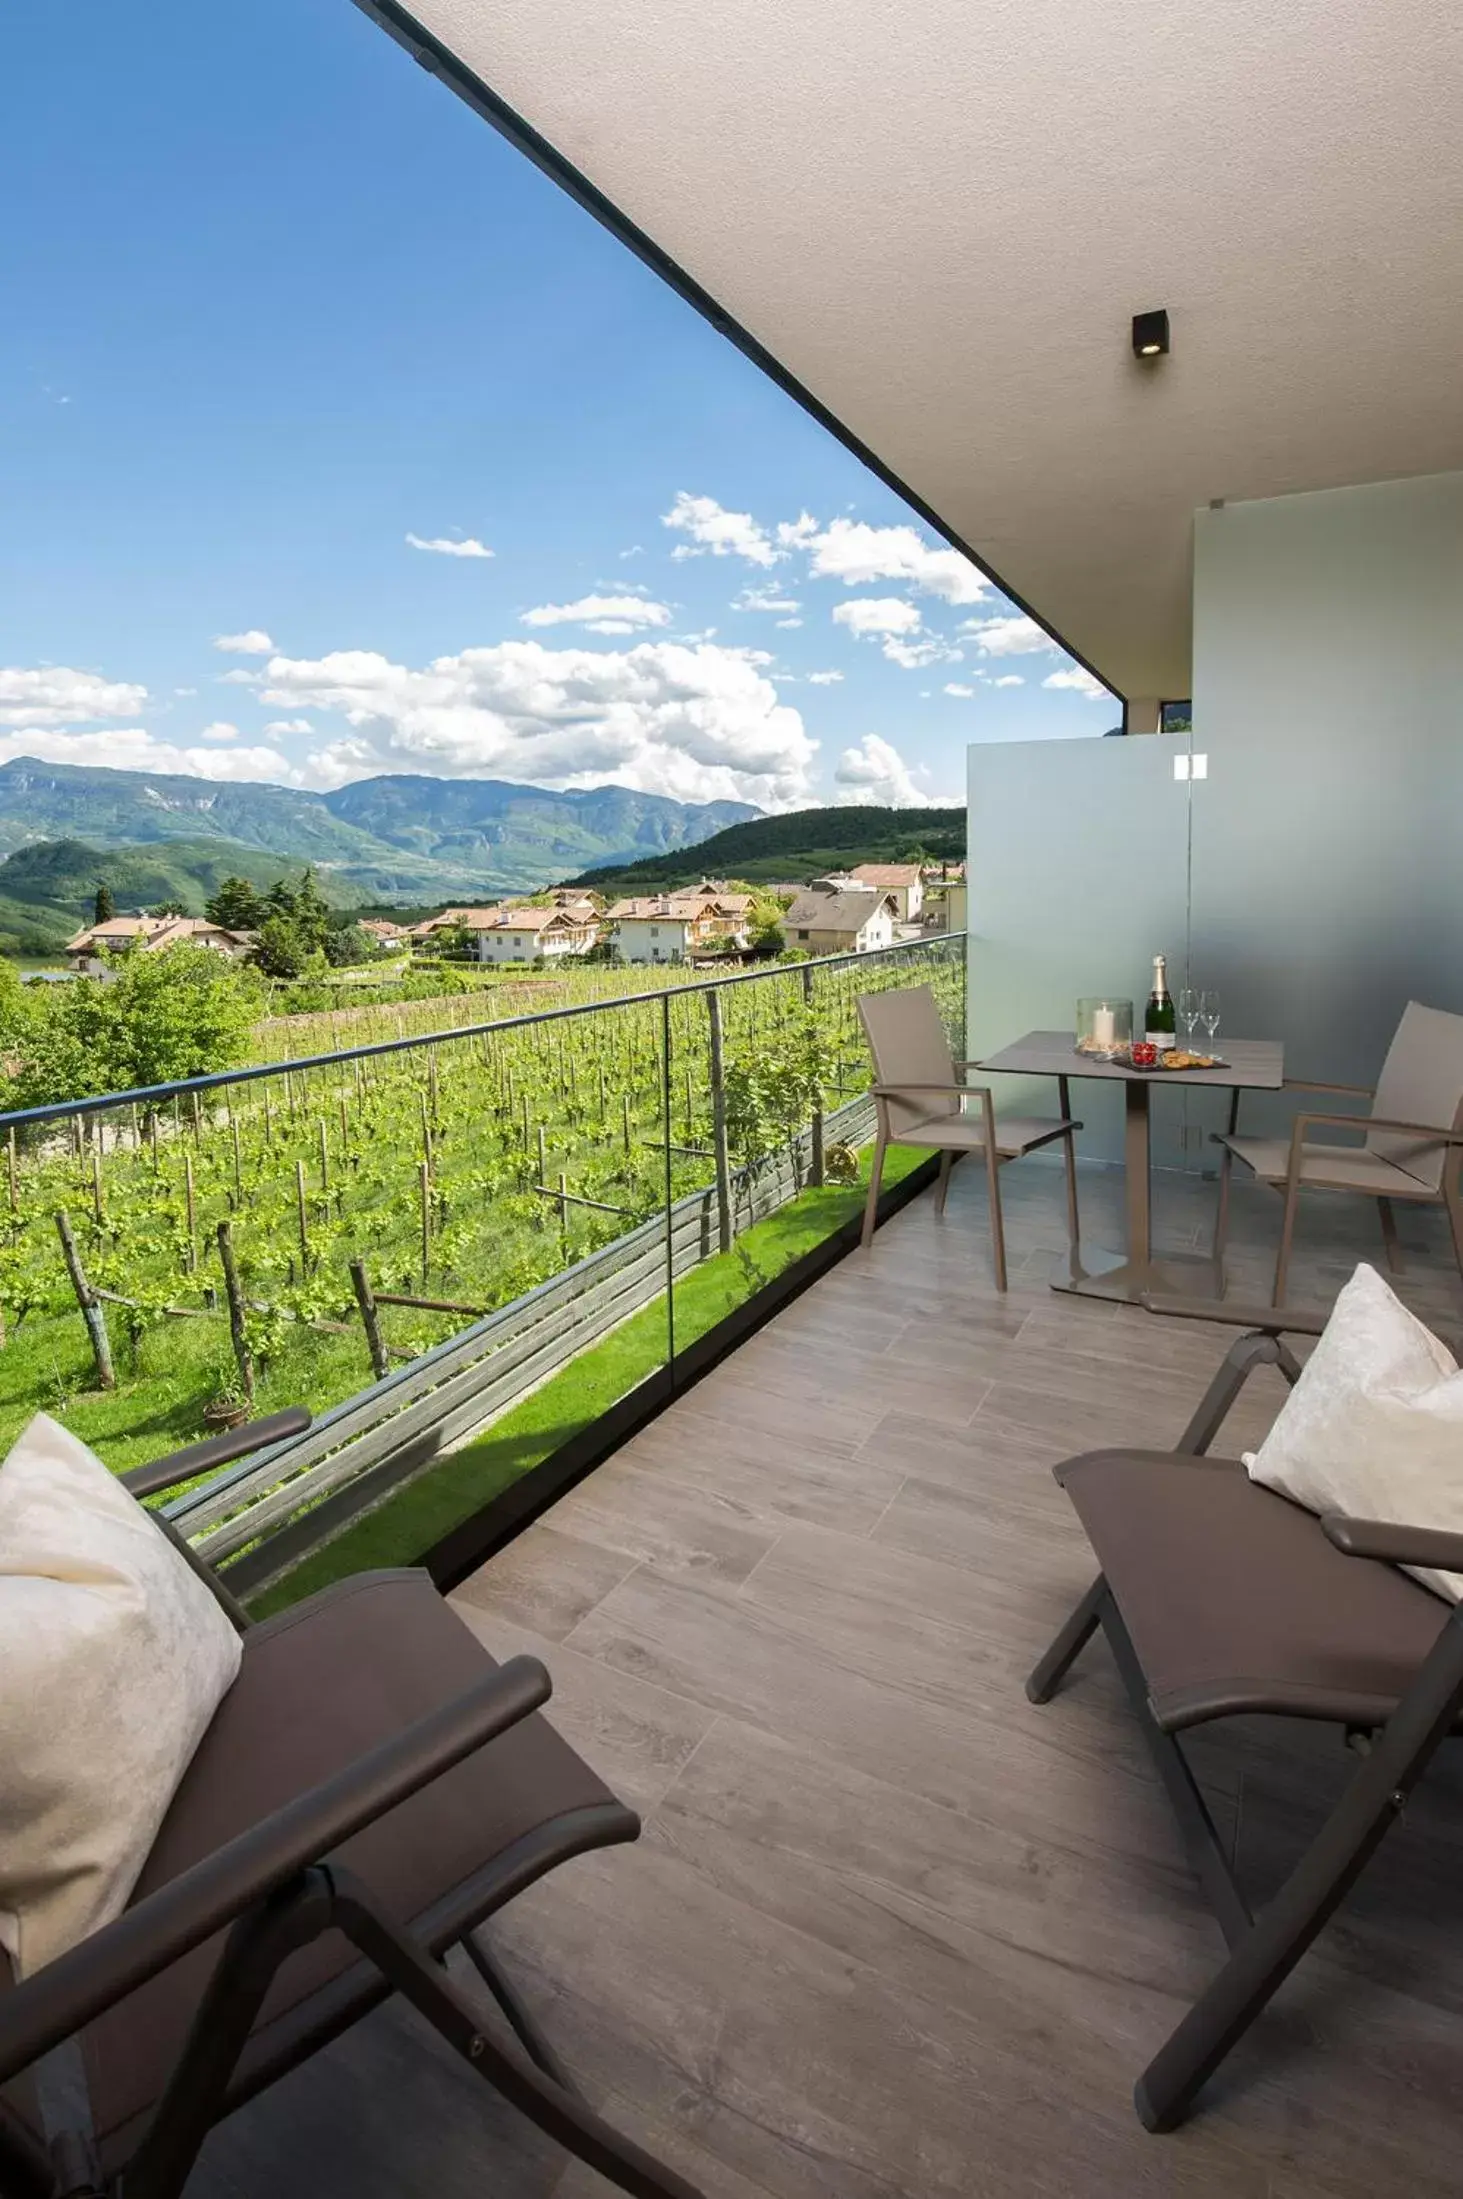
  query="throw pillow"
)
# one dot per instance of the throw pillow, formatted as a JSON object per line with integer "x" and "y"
{"x": 1374, "y": 1427}
{"x": 113, "y": 1660}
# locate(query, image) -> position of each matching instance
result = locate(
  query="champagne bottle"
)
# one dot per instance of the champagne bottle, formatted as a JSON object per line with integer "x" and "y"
{"x": 1159, "y": 1023}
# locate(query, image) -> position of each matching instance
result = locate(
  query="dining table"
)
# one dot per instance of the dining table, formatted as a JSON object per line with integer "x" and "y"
{"x": 1247, "y": 1064}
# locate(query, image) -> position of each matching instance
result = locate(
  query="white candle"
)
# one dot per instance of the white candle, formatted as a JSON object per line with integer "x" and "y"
{"x": 1104, "y": 1032}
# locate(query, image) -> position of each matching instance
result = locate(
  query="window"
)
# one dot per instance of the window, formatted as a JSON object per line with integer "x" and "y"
{"x": 655, "y": 931}
{"x": 803, "y": 933}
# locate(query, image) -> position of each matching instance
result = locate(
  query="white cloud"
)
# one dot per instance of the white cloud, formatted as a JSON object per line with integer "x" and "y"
{"x": 281, "y": 728}
{"x": 876, "y": 772}
{"x": 185, "y": 690}
{"x": 443, "y": 545}
{"x": 789, "y": 622}
{"x": 824, "y": 679}
{"x": 915, "y": 655}
{"x": 220, "y": 730}
{"x": 955, "y": 687}
{"x": 636, "y": 549}
{"x": 1080, "y": 682}
{"x": 713, "y": 531}
{"x": 54, "y": 694}
{"x": 130, "y": 748}
{"x": 853, "y": 552}
{"x": 1009, "y": 679}
{"x": 765, "y": 599}
{"x": 796, "y": 534}
{"x": 601, "y": 614}
{"x": 1007, "y": 637}
{"x": 253, "y": 642}
{"x": 877, "y": 615}
{"x": 239, "y": 677}
{"x": 698, "y": 723}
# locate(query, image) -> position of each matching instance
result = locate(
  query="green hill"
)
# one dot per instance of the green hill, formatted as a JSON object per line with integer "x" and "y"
{"x": 799, "y": 845}
{"x": 48, "y": 889}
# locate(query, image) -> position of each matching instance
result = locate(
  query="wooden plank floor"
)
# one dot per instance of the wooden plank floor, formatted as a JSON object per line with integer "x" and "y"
{"x": 890, "y": 1931}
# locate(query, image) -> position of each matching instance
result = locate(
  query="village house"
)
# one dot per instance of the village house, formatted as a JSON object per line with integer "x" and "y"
{"x": 852, "y": 920}
{"x": 671, "y": 927}
{"x": 89, "y": 950}
{"x": 527, "y": 935}
{"x": 904, "y": 881}
{"x": 423, "y": 934}
{"x": 385, "y": 932}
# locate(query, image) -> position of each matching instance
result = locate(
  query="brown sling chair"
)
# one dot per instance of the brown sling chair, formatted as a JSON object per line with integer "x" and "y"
{"x": 1221, "y": 1599}
{"x": 371, "y": 1789}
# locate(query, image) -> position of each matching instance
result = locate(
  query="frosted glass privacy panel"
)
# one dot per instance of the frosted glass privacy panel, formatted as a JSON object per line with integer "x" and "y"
{"x": 1328, "y": 692}
{"x": 1078, "y": 860}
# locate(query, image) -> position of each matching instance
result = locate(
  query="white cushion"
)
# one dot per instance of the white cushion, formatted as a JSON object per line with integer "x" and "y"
{"x": 113, "y": 1659}
{"x": 1374, "y": 1427}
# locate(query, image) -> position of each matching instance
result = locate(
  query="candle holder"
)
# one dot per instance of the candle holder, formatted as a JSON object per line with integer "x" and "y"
{"x": 1104, "y": 1028}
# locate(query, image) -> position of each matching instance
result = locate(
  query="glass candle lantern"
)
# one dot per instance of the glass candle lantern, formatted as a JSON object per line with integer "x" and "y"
{"x": 1104, "y": 1027}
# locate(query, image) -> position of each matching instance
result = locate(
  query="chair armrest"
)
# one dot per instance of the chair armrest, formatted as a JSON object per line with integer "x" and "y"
{"x": 1268, "y": 1320}
{"x": 1320, "y": 1084}
{"x": 897, "y": 1091}
{"x": 74, "y": 1989}
{"x": 1427, "y": 1130}
{"x": 214, "y": 1450}
{"x": 1393, "y": 1544}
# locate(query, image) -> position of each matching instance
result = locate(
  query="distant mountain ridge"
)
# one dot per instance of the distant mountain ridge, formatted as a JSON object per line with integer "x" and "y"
{"x": 397, "y": 835}
{"x": 796, "y": 845}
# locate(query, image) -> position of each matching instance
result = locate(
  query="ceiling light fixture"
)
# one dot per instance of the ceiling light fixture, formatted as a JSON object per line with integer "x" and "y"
{"x": 1150, "y": 334}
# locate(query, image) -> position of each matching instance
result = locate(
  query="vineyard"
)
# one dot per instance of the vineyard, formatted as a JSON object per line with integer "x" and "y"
{"x": 295, "y": 1235}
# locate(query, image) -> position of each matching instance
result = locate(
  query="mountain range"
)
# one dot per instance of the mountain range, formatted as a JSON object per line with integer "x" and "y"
{"x": 394, "y": 837}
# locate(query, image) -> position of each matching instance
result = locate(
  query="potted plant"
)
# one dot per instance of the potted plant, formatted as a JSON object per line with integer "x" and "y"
{"x": 228, "y": 1407}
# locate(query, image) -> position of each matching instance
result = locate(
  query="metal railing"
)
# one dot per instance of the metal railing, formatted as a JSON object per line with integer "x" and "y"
{"x": 415, "y": 1234}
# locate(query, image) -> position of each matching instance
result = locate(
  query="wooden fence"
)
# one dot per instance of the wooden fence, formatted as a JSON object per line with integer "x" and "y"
{"x": 410, "y": 1418}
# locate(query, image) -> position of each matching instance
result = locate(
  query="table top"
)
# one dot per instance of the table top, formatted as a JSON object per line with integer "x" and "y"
{"x": 1255, "y": 1064}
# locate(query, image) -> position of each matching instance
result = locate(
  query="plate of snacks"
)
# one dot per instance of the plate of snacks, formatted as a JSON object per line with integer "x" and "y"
{"x": 1142, "y": 1054}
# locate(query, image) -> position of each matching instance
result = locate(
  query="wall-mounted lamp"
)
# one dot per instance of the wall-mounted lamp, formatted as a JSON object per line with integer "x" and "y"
{"x": 1150, "y": 334}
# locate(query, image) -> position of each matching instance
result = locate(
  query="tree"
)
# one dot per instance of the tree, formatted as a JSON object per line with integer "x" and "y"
{"x": 104, "y": 907}
{"x": 159, "y": 1016}
{"x": 281, "y": 949}
{"x": 236, "y": 905}
{"x": 347, "y": 944}
{"x": 169, "y": 908}
{"x": 312, "y": 912}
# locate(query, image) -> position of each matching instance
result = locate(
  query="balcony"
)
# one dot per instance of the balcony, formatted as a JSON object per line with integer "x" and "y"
{"x": 889, "y": 1930}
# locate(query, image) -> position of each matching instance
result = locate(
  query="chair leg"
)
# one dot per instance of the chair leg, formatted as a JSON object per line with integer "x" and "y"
{"x": 1074, "y": 1231}
{"x": 1287, "y": 1238}
{"x": 1076, "y": 1632}
{"x": 1221, "y": 1211}
{"x": 507, "y": 1995}
{"x": 871, "y": 1203}
{"x": 998, "y": 1225}
{"x": 1390, "y": 1239}
{"x": 1453, "y": 1201}
{"x": 560, "y": 2114}
{"x": 943, "y": 1186}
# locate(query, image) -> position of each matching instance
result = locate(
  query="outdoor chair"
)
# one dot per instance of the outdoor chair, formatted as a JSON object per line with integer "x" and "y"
{"x": 919, "y": 1096}
{"x": 1413, "y": 1147}
{"x": 1220, "y": 1599}
{"x": 371, "y": 1789}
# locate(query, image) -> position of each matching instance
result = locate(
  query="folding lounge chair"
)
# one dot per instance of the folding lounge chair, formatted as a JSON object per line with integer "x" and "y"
{"x": 371, "y": 1789}
{"x": 919, "y": 1098}
{"x": 1221, "y": 1599}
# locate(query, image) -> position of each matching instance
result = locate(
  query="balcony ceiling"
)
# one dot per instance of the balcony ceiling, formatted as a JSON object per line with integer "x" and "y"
{"x": 939, "y": 219}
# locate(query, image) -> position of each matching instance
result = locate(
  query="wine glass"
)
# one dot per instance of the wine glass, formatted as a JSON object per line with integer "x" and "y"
{"x": 1209, "y": 1007}
{"x": 1188, "y": 1008}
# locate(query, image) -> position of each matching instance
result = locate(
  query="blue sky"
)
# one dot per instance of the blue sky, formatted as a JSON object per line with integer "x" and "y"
{"x": 278, "y": 304}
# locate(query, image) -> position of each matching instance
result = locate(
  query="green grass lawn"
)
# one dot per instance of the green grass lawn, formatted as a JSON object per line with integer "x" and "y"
{"x": 401, "y": 1529}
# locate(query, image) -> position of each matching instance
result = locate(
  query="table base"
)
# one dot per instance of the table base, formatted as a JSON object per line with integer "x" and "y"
{"x": 1113, "y": 1275}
